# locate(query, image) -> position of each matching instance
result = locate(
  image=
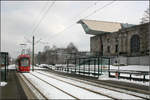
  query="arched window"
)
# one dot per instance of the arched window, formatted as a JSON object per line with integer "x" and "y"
{"x": 135, "y": 44}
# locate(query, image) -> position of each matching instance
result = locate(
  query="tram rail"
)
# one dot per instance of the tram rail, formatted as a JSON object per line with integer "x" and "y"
{"x": 97, "y": 92}
{"x": 97, "y": 83}
{"x": 33, "y": 86}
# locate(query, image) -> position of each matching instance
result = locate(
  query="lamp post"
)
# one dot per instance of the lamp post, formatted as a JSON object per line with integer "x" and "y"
{"x": 33, "y": 55}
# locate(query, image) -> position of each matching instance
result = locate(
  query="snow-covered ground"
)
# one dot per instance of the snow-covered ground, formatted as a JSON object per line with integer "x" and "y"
{"x": 35, "y": 67}
{"x": 12, "y": 66}
{"x": 53, "y": 93}
{"x": 98, "y": 89}
{"x": 105, "y": 73}
{"x": 3, "y": 83}
{"x": 105, "y": 77}
{"x": 49, "y": 91}
{"x": 80, "y": 93}
{"x": 131, "y": 67}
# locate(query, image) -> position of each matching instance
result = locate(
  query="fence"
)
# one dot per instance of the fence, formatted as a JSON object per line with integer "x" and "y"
{"x": 91, "y": 66}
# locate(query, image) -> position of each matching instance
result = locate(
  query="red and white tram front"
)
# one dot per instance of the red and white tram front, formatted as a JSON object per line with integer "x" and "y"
{"x": 24, "y": 63}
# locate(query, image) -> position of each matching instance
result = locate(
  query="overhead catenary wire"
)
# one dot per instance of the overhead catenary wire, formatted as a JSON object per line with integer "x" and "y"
{"x": 75, "y": 21}
{"x": 37, "y": 17}
{"x": 68, "y": 27}
{"x": 37, "y": 25}
{"x": 35, "y": 20}
{"x": 43, "y": 16}
{"x": 95, "y": 11}
{"x": 86, "y": 9}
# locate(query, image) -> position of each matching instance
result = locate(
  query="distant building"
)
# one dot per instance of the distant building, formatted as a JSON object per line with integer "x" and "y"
{"x": 63, "y": 54}
{"x": 113, "y": 39}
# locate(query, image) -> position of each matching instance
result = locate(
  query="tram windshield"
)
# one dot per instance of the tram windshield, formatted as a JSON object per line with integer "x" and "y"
{"x": 24, "y": 62}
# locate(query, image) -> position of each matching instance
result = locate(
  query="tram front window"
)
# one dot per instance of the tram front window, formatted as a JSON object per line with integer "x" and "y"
{"x": 24, "y": 62}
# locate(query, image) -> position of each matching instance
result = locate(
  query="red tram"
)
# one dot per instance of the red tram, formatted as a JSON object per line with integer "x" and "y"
{"x": 23, "y": 63}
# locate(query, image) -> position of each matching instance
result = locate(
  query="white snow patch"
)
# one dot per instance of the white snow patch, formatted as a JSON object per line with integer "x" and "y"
{"x": 131, "y": 67}
{"x": 12, "y": 66}
{"x": 105, "y": 77}
{"x": 3, "y": 83}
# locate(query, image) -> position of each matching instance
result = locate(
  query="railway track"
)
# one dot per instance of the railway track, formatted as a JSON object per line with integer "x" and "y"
{"x": 106, "y": 87}
{"x": 55, "y": 87}
{"x": 108, "y": 83}
{"x": 89, "y": 89}
{"x": 29, "y": 83}
{"x": 109, "y": 97}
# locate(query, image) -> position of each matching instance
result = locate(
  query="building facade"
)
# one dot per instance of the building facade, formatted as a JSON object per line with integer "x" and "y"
{"x": 128, "y": 43}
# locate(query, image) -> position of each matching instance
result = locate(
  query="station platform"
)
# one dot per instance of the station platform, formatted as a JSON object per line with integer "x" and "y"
{"x": 13, "y": 89}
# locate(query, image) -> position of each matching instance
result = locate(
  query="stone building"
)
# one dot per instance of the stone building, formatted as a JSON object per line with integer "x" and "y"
{"x": 117, "y": 39}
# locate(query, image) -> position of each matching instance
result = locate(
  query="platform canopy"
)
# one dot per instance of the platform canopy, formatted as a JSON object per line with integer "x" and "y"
{"x": 94, "y": 27}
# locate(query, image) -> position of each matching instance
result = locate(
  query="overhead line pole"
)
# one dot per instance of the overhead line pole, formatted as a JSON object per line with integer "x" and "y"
{"x": 33, "y": 55}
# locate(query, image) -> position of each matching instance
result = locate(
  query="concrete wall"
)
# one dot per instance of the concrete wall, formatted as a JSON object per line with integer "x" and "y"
{"x": 141, "y": 60}
{"x": 120, "y": 59}
{"x": 95, "y": 44}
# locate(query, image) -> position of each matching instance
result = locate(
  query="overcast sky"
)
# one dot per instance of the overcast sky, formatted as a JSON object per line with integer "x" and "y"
{"x": 19, "y": 18}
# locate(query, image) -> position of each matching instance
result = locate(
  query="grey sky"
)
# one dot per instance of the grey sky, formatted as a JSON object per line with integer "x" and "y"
{"x": 17, "y": 19}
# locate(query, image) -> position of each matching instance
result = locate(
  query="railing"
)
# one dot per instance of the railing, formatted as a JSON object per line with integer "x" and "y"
{"x": 130, "y": 74}
{"x": 93, "y": 66}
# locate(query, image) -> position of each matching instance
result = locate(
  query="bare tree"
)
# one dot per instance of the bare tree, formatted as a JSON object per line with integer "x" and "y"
{"x": 56, "y": 55}
{"x": 46, "y": 48}
{"x": 71, "y": 48}
{"x": 146, "y": 17}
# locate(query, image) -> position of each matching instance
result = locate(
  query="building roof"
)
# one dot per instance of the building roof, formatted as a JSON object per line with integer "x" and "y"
{"x": 99, "y": 27}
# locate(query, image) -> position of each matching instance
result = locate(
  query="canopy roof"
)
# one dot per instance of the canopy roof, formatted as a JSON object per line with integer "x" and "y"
{"x": 99, "y": 27}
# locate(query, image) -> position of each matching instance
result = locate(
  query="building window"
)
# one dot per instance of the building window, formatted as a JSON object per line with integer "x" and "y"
{"x": 135, "y": 44}
{"x": 108, "y": 49}
{"x": 116, "y": 48}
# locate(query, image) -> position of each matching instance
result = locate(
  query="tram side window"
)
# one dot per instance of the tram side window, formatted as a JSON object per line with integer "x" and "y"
{"x": 24, "y": 62}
